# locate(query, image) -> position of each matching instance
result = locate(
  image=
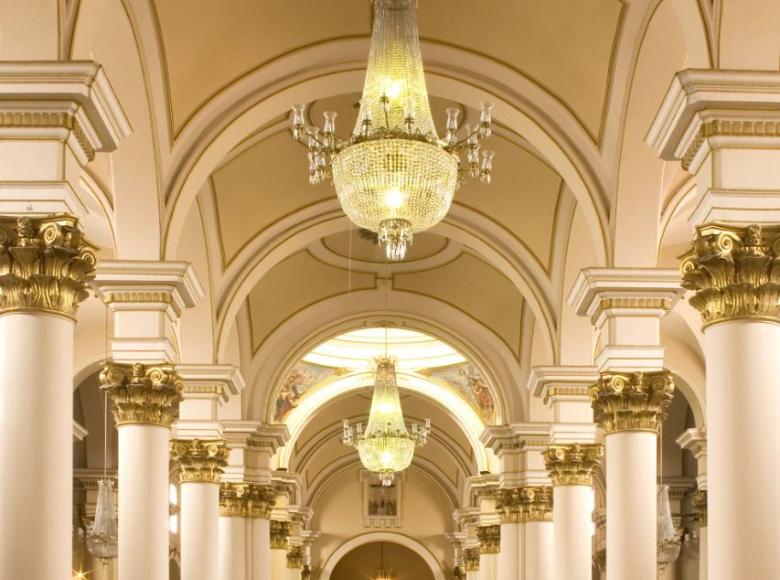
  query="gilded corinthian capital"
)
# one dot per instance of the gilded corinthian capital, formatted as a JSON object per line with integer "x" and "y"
{"x": 525, "y": 504}
{"x": 631, "y": 401}
{"x": 280, "y": 533}
{"x": 489, "y": 539}
{"x": 735, "y": 272}
{"x": 246, "y": 500}
{"x": 145, "y": 395}
{"x": 45, "y": 264}
{"x": 573, "y": 464}
{"x": 199, "y": 461}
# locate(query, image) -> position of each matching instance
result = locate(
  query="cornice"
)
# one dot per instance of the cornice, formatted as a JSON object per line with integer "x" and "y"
{"x": 600, "y": 292}
{"x": 128, "y": 283}
{"x": 704, "y": 104}
{"x": 223, "y": 381}
{"x": 569, "y": 381}
{"x": 74, "y": 95}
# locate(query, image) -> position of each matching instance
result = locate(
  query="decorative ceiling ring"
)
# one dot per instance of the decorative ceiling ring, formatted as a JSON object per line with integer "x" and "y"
{"x": 270, "y": 89}
{"x": 302, "y": 229}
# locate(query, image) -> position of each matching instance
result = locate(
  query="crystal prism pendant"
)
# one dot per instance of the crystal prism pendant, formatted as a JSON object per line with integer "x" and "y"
{"x": 103, "y": 534}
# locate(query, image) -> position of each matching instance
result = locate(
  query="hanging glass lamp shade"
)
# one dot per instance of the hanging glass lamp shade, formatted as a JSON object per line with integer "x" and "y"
{"x": 386, "y": 447}
{"x": 102, "y": 537}
{"x": 669, "y": 539}
{"x": 394, "y": 175}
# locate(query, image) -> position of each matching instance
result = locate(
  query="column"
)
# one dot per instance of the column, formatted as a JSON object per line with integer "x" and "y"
{"x": 629, "y": 407}
{"x": 44, "y": 267}
{"x": 571, "y": 468}
{"x": 471, "y": 562}
{"x": 263, "y": 498}
{"x": 280, "y": 535}
{"x": 144, "y": 401}
{"x": 626, "y": 306}
{"x": 52, "y": 124}
{"x": 723, "y": 127}
{"x": 234, "y": 531}
{"x": 695, "y": 441}
{"x": 699, "y": 502}
{"x": 294, "y": 562}
{"x": 199, "y": 466}
{"x": 539, "y": 533}
{"x": 489, "y": 547}
{"x": 252, "y": 446}
{"x": 510, "y": 506}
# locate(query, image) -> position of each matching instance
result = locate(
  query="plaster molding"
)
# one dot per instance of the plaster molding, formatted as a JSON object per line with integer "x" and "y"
{"x": 551, "y": 383}
{"x": 704, "y": 109}
{"x": 600, "y": 293}
{"x": 206, "y": 380}
{"x": 65, "y": 100}
{"x": 127, "y": 284}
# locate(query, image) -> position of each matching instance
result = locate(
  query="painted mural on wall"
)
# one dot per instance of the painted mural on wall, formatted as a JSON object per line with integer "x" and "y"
{"x": 463, "y": 378}
{"x": 301, "y": 378}
{"x": 472, "y": 386}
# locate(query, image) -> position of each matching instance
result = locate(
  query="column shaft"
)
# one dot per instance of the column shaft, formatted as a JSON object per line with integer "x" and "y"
{"x": 631, "y": 505}
{"x": 510, "y": 558}
{"x": 199, "y": 531}
{"x": 36, "y": 425}
{"x": 743, "y": 435}
{"x": 572, "y": 506}
{"x": 143, "y": 502}
{"x": 233, "y": 535}
{"x": 488, "y": 564}
{"x": 261, "y": 549}
{"x": 539, "y": 551}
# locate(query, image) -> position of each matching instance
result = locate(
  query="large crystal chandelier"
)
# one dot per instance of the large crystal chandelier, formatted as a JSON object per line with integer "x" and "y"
{"x": 669, "y": 539}
{"x": 394, "y": 176}
{"x": 386, "y": 447}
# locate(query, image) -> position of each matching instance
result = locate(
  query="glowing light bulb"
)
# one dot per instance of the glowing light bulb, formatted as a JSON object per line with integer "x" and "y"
{"x": 393, "y": 89}
{"x": 387, "y": 458}
{"x": 394, "y": 198}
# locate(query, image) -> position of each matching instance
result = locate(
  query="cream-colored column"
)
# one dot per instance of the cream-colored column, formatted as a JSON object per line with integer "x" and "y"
{"x": 234, "y": 532}
{"x": 280, "y": 536}
{"x": 629, "y": 407}
{"x": 471, "y": 562}
{"x": 53, "y": 117}
{"x": 489, "y": 546}
{"x": 571, "y": 468}
{"x": 44, "y": 265}
{"x": 700, "y": 503}
{"x": 723, "y": 126}
{"x": 733, "y": 272}
{"x": 626, "y": 306}
{"x": 199, "y": 465}
{"x": 510, "y": 506}
{"x": 695, "y": 441}
{"x": 539, "y": 533}
{"x": 145, "y": 400}
{"x": 252, "y": 446}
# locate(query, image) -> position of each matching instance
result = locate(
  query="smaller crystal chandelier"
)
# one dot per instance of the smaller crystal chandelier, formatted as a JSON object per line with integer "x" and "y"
{"x": 382, "y": 573}
{"x": 394, "y": 176}
{"x": 386, "y": 447}
{"x": 669, "y": 539}
{"x": 104, "y": 532}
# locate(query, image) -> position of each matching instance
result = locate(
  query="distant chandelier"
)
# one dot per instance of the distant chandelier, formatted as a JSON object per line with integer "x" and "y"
{"x": 382, "y": 573}
{"x": 103, "y": 535}
{"x": 669, "y": 539}
{"x": 394, "y": 176}
{"x": 386, "y": 447}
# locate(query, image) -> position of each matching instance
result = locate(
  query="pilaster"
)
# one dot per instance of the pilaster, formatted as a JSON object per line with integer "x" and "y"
{"x": 695, "y": 441}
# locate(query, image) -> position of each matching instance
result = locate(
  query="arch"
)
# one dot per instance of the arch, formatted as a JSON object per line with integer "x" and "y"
{"x": 308, "y": 225}
{"x": 459, "y": 411}
{"x": 335, "y": 67}
{"x": 389, "y": 537}
{"x": 334, "y": 316}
